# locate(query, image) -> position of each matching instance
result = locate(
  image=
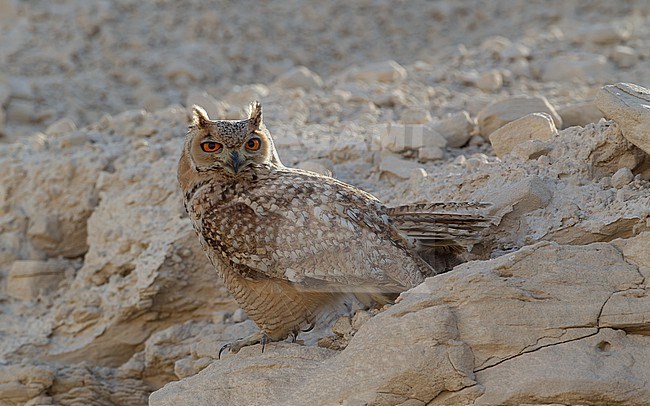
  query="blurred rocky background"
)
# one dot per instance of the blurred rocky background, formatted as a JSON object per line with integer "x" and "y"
{"x": 537, "y": 107}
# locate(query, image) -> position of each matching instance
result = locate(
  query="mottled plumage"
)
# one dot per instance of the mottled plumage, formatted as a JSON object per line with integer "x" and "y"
{"x": 293, "y": 247}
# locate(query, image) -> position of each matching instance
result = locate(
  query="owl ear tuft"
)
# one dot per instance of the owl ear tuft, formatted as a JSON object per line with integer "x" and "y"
{"x": 255, "y": 114}
{"x": 199, "y": 117}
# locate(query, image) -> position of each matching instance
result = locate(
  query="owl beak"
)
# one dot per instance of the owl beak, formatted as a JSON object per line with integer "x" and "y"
{"x": 235, "y": 162}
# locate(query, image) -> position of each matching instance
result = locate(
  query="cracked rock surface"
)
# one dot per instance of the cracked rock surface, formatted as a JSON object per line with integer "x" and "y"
{"x": 527, "y": 326}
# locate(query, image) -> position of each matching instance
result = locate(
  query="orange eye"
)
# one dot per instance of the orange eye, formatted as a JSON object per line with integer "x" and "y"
{"x": 253, "y": 144}
{"x": 210, "y": 146}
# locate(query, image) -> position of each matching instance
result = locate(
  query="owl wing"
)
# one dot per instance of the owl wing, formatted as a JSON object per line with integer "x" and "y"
{"x": 316, "y": 232}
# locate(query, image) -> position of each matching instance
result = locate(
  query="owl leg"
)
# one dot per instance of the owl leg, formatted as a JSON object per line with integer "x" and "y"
{"x": 257, "y": 338}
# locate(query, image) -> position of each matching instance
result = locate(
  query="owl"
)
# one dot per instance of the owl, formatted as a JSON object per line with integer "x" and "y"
{"x": 297, "y": 249}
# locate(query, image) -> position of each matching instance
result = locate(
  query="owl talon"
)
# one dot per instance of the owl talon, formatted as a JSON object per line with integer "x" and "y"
{"x": 234, "y": 346}
{"x": 223, "y": 347}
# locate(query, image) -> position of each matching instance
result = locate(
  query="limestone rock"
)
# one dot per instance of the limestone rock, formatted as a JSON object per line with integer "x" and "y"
{"x": 534, "y": 126}
{"x": 28, "y": 279}
{"x": 622, "y": 177}
{"x": 60, "y": 127}
{"x": 629, "y": 105}
{"x": 544, "y": 305}
{"x": 212, "y": 106}
{"x": 415, "y": 116}
{"x": 502, "y": 112}
{"x": 21, "y": 383}
{"x": 569, "y": 67}
{"x": 21, "y": 111}
{"x": 623, "y": 56}
{"x": 606, "y": 33}
{"x": 402, "y": 137}
{"x": 524, "y": 196}
{"x": 384, "y": 71}
{"x": 579, "y": 114}
{"x": 457, "y": 128}
{"x": 490, "y": 81}
{"x": 299, "y": 77}
{"x": 430, "y": 153}
{"x": 396, "y": 166}
{"x": 531, "y": 149}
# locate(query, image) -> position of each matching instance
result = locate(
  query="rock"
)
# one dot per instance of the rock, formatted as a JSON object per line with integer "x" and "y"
{"x": 534, "y": 126}
{"x": 629, "y": 105}
{"x": 29, "y": 279}
{"x": 430, "y": 154}
{"x": 298, "y": 77}
{"x": 515, "y": 51}
{"x": 622, "y": 177}
{"x": 521, "y": 67}
{"x": 606, "y": 33}
{"x": 212, "y": 106}
{"x": 490, "y": 81}
{"x": 498, "y": 114}
{"x": 624, "y": 57}
{"x": 531, "y": 149}
{"x": 524, "y": 196}
{"x": 570, "y": 67}
{"x": 579, "y": 114}
{"x": 243, "y": 95}
{"x": 60, "y": 127}
{"x": 578, "y": 360}
{"x": 73, "y": 139}
{"x": 415, "y": 116}
{"x": 21, "y": 111}
{"x": 544, "y": 304}
{"x": 636, "y": 250}
{"x": 396, "y": 166}
{"x": 403, "y": 137}
{"x": 181, "y": 72}
{"x": 21, "y": 383}
{"x": 457, "y": 128}
{"x": 385, "y": 71}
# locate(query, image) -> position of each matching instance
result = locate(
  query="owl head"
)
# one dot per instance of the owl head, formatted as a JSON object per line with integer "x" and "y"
{"x": 229, "y": 146}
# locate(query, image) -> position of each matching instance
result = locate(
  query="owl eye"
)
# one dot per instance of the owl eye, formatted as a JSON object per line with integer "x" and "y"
{"x": 210, "y": 146}
{"x": 253, "y": 144}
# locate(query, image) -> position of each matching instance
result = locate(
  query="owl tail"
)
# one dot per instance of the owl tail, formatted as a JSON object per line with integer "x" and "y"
{"x": 442, "y": 232}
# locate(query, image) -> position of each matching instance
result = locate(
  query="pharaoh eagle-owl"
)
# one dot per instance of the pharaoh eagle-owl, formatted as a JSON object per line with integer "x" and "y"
{"x": 297, "y": 249}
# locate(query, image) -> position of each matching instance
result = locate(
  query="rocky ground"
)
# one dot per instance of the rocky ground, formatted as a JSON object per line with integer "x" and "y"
{"x": 539, "y": 108}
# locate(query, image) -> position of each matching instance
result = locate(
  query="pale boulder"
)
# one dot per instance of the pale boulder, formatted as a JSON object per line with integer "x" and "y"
{"x": 535, "y": 126}
{"x": 629, "y": 105}
{"x": 415, "y": 116}
{"x": 299, "y": 76}
{"x": 622, "y": 177}
{"x": 457, "y": 128}
{"x": 611, "y": 32}
{"x": 624, "y": 56}
{"x": 486, "y": 333}
{"x": 60, "y": 127}
{"x": 403, "y": 137}
{"x": 499, "y": 113}
{"x": 579, "y": 114}
{"x": 211, "y": 105}
{"x": 490, "y": 81}
{"x": 568, "y": 67}
{"x": 384, "y": 71}
{"x": 396, "y": 166}
{"x": 430, "y": 153}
